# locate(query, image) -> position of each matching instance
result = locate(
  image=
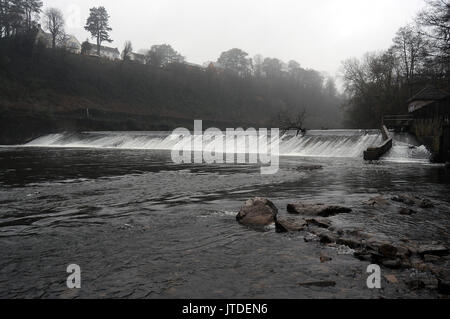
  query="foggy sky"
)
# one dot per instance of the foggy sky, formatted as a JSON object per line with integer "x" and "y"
{"x": 318, "y": 34}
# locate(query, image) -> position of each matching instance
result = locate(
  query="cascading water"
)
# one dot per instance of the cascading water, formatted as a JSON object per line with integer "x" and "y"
{"x": 332, "y": 143}
{"x": 407, "y": 149}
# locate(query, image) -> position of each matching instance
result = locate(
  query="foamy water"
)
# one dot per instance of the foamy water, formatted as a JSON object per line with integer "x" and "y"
{"x": 333, "y": 144}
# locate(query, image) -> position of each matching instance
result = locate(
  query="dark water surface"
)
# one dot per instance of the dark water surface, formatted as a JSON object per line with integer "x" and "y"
{"x": 142, "y": 227}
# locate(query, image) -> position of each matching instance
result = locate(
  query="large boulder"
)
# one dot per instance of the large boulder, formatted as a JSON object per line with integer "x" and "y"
{"x": 257, "y": 212}
{"x": 316, "y": 210}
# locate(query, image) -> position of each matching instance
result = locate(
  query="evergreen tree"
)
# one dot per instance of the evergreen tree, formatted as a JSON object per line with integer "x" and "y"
{"x": 98, "y": 25}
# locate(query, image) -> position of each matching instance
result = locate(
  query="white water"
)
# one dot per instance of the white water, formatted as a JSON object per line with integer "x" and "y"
{"x": 338, "y": 143}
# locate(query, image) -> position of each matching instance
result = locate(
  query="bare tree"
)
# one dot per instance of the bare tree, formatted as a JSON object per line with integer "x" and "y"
{"x": 292, "y": 123}
{"x": 127, "y": 50}
{"x": 411, "y": 47}
{"x": 436, "y": 18}
{"x": 54, "y": 23}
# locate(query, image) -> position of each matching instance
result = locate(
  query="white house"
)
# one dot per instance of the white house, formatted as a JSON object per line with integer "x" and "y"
{"x": 105, "y": 52}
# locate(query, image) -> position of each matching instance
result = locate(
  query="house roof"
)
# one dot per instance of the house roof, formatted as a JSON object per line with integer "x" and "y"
{"x": 429, "y": 93}
{"x": 138, "y": 55}
{"x": 105, "y": 49}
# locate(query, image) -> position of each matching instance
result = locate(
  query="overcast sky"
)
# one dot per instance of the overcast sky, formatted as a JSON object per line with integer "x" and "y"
{"x": 318, "y": 34}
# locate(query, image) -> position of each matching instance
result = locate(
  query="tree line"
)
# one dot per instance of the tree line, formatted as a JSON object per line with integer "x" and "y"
{"x": 380, "y": 83}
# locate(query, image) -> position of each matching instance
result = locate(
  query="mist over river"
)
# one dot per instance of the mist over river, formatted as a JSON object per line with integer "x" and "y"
{"x": 140, "y": 226}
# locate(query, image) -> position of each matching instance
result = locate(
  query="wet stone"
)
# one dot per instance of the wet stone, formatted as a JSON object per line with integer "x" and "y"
{"x": 284, "y": 225}
{"x": 257, "y": 212}
{"x": 387, "y": 250}
{"x": 437, "y": 250}
{"x": 319, "y": 222}
{"x": 412, "y": 200}
{"x": 316, "y": 210}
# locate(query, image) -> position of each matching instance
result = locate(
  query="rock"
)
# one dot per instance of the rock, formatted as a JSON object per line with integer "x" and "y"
{"x": 344, "y": 250}
{"x": 373, "y": 244}
{"x": 379, "y": 200}
{"x": 413, "y": 200}
{"x": 258, "y": 212}
{"x": 353, "y": 243}
{"x": 426, "y": 203}
{"x": 310, "y": 237}
{"x": 403, "y": 252}
{"x": 392, "y": 263}
{"x": 309, "y": 167}
{"x": 363, "y": 255}
{"x": 318, "y": 284}
{"x": 327, "y": 237}
{"x": 405, "y": 199}
{"x": 324, "y": 259}
{"x": 316, "y": 210}
{"x": 387, "y": 251}
{"x": 423, "y": 280}
{"x": 419, "y": 266}
{"x": 406, "y": 211}
{"x": 437, "y": 250}
{"x": 284, "y": 225}
{"x": 432, "y": 259}
{"x": 319, "y": 222}
{"x": 392, "y": 279}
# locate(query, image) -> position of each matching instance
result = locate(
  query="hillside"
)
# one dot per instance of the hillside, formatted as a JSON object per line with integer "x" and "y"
{"x": 44, "y": 90}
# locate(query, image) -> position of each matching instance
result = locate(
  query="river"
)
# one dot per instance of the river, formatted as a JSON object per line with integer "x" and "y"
{"x": 140, "y": 226}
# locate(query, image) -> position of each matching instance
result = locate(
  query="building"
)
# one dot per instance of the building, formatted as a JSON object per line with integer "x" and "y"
{"x": 138, "y": 58}
{"x": 430, "y": 109}
{"x": 72, "y": 44}
{"x": 193, "y": 66}
{"x": 69, "y": 42}
{"x": 429, "y": 100}
{"x": 105, "y": 52}
{"x": 44, "y": 38}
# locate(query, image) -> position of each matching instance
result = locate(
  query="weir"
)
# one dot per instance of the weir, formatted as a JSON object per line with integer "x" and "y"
{"x": 329, "y": 143}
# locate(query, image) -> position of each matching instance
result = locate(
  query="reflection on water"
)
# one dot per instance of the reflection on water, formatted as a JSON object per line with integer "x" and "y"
{"x": 140, "y": 226}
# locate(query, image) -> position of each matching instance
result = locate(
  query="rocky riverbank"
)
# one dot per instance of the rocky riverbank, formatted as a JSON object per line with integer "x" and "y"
{"x": 420, "y": 265}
